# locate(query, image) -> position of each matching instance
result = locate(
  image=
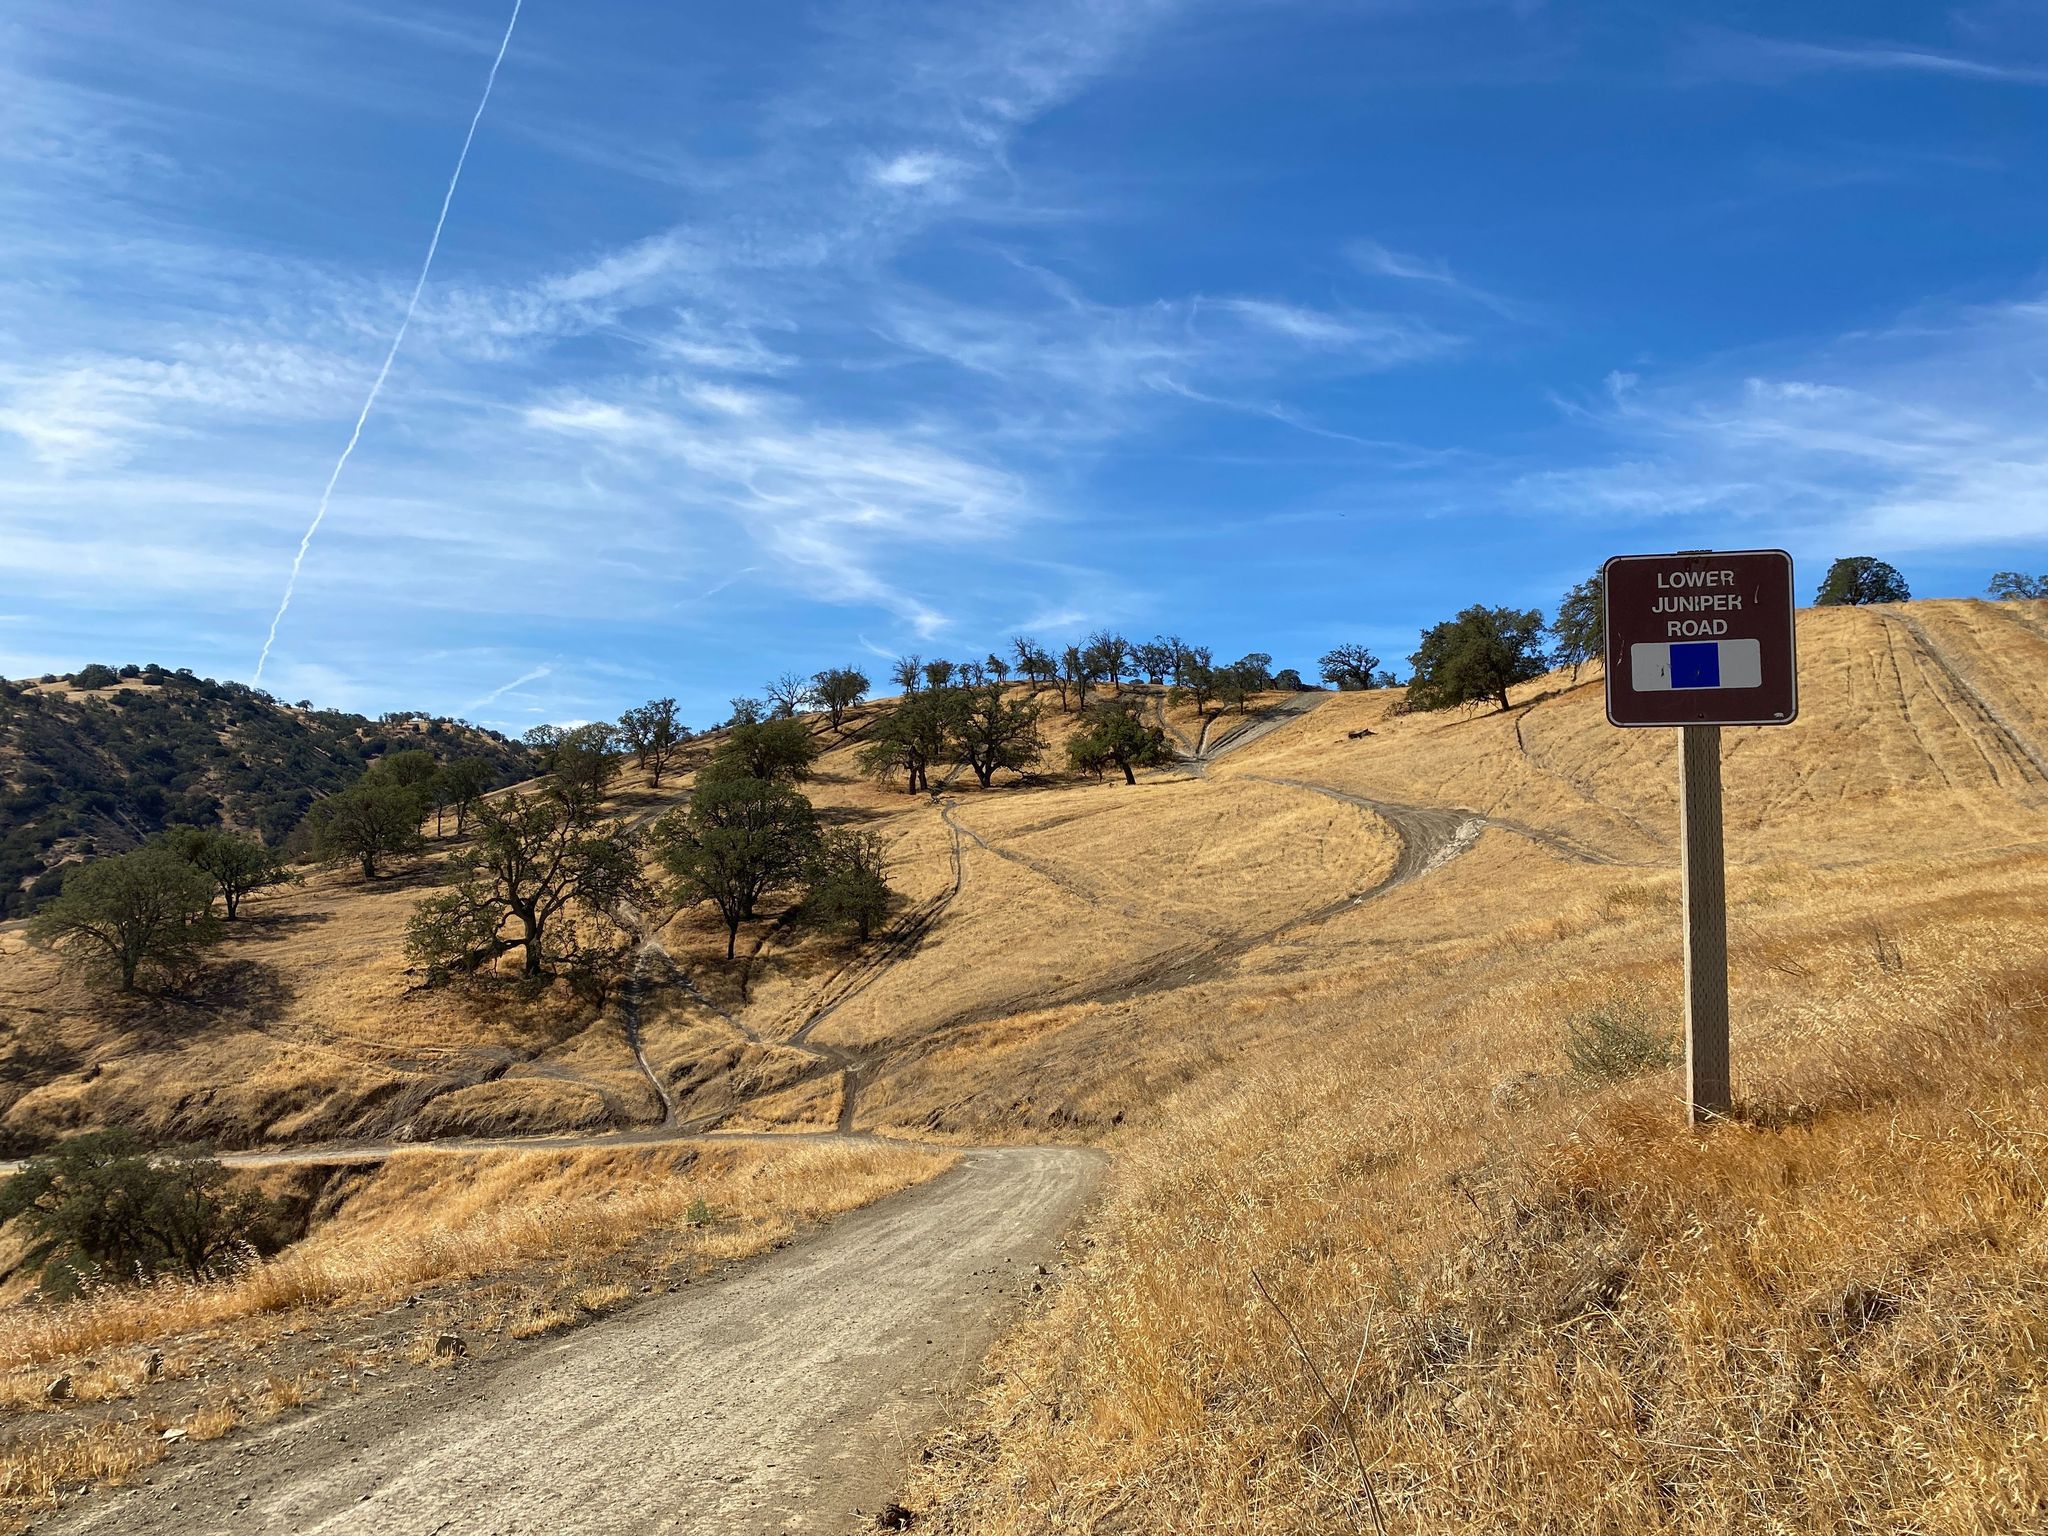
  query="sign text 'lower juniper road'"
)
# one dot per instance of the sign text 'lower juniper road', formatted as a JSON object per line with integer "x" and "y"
{"x": 1701, "y": 640}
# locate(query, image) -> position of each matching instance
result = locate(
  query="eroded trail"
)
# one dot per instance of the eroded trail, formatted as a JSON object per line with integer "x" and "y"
{"x": 780, "y": 1399}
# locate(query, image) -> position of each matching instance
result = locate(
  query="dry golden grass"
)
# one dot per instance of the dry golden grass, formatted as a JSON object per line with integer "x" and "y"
{"x": 1540, "y": 1303}
{"x": 426, "y": 1219}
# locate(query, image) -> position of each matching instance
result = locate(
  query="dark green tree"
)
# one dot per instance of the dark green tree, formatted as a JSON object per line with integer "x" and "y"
{"x": 533, "y": 856}
{"x": 838, "y": 689}
{"x": 86, "y": 679}
{"x": 654, "y": 736}
{"x": 146, "y": 913}
{"x": 848, "y": 885}
{"x": 585, "y": 763}
{"x": 783, "y": 750}
{"x": 2008, "y": 586}
{"x": 411, "y": 770}
{"x": 365, "y": 823}
{"x": 1580, "y": 631}
{"x": 237, "y": 865}
{"x": 465, "y": 781}
{"x": 989, "y": 731}
{"x": 103, "y": 1207}
{"x": 738, "y": 841}
{"x": 1857, "y": 579}
{"x": 1476, "y": 656}
{"x": 1112, "y": 735}
{"x": 908, "y": 673}
{"x": 1348, "y": 667}
{"x": 908, "y": 740}
{"x": 1194, "y": 677}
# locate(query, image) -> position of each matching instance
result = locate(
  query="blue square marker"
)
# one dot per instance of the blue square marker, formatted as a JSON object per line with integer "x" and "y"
{"x": 1696, "y": 664}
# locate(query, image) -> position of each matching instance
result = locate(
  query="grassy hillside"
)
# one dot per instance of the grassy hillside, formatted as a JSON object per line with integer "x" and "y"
{"x": 1326, "y": 992}
{"x": 86, "y": 770}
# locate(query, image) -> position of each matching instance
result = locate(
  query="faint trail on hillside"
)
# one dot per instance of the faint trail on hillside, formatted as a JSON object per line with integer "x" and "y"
{"x": 778, "y": 1398}
{"x": 2021, "y": 752}
{"x": 397, "y": 340}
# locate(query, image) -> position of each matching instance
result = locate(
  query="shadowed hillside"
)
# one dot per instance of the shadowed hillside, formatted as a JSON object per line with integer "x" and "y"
{"x": 97, "y": 770}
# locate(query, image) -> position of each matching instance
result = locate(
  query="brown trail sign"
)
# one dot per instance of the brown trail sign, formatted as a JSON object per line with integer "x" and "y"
{"x": 1701, "y": 640}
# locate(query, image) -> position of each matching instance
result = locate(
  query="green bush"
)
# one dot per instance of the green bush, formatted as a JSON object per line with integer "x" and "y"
{"x": 102, "y": 1208}
{"x": 1618, "y": 1040}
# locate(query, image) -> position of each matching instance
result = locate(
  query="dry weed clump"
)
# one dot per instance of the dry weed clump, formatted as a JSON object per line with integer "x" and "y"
{"x": 427, "y": 1218}
{"x": 1571, "y": 1314}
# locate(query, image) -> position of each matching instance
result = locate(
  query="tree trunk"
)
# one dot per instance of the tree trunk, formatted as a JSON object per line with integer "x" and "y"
{"x": 532, "y": 943}
{"x": 732, "y": 935}
{"x": 983, "y": 774}
{"x": 1129, "y": 777}
{"x": 369, "y": 866}
{"x": 232, "y": 902}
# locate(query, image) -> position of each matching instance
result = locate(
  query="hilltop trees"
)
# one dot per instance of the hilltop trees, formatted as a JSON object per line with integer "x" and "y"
{"x": 237, "y": 865}
{"x": 739, "y": 840}
{"x": 1858, "y": 579}
{"x": 533, "y": 856}
{"x": 1114, "y": 736}
{"x": 838, "y": 689}
{"x": 2006, "y": 586}
{"x": 1580, "y": 630}
{"x": 1108, "y": 654}
{"x": 1348, "y": 667}
{"x": 789, "y": 694}
{"x": 907, "y": 673}
{"x": 1478, "y": 655}
{"x": 654, "y": 736}
{"x": 141, "y": 914}
{"x": 1194, "y": 677}
{"x": 366, "y": 823}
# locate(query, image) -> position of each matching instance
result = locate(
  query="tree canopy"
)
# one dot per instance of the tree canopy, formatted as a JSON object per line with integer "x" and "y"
{"x": 146, "y": 914}
{"x": 1580, "y": 630}
{"x": 908, "y": 740}
{"x": 848, "y": 883}
{"x": 1349, "y": 667}
{"x": 103, "y": 1207}
{"x": 783, "y": 750}
{"x": 533, "y": 857}
{"x": 1478, "y": 655}
{"x": 838, "y": 689}
{"x": 2007, "y": 586}
{"x": 988, "y": 731}
{"x": 238, "y": 866}
{"x": 1858, "y": 579}
{"x": 366, "y": 823}
{"x": 654, "y": 735}
{"x": 1112, "y": 735}
{"x": 739, "y": 840}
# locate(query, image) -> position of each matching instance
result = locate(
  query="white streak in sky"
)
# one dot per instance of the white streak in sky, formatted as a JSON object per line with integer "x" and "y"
{"x": 377, "y": 385}
{"x": 498, "y": 693}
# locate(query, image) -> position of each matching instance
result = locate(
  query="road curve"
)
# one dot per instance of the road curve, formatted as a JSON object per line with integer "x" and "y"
{"x": 776, "y": 1400}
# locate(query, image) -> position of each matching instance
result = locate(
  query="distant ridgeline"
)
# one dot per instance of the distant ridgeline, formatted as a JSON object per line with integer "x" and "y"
{"x": 102, "y": 761}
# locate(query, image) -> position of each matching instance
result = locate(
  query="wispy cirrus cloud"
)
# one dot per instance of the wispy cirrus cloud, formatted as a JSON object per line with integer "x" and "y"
{"x": 1753, "y": 56}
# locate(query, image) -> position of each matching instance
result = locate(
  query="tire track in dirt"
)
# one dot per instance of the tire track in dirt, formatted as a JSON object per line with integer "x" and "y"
{"x": 2021, "y": 753}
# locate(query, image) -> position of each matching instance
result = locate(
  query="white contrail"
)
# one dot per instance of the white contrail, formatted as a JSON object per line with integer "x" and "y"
{"x": 433, "y": 245}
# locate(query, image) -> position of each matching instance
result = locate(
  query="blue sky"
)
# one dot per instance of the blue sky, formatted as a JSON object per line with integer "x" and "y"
{"x": 765, "y": 337}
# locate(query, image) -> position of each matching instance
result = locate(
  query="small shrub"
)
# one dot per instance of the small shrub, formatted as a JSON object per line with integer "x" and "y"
{"x": 699, "y": 1214}
{"x": 1618, "y": 1040}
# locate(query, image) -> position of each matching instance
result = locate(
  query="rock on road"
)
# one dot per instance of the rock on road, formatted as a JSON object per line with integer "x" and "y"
{"x": 775, "y": 1400}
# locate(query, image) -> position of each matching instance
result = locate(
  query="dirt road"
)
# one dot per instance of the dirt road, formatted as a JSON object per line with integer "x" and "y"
{"x": 779, "y": 1399}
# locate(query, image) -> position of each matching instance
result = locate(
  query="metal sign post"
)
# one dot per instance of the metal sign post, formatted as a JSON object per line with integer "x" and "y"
{"x": 1699, "y": 641}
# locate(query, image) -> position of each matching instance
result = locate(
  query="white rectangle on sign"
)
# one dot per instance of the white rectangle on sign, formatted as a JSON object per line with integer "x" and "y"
{"x": 1662, "y": 666}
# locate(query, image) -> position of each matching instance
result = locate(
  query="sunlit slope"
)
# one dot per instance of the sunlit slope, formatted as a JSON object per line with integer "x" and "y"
{"x": 1922, "y": 725}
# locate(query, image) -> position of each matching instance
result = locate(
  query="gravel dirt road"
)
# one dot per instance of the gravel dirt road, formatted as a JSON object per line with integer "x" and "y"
{"x": 780, "y": 1399}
